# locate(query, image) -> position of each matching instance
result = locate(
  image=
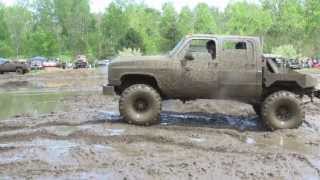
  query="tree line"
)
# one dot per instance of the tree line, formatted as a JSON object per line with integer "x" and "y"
{"x": 60, "y": 28}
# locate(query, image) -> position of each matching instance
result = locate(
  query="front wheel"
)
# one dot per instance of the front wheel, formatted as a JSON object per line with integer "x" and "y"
{"x": 140, "y": 104}
{"x": 283, "y": 110}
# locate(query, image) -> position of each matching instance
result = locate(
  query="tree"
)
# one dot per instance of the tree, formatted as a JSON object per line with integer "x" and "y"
{"x": 73, "y": 17}
{"x": 312, "y": 17}
{"x": 287, "y": 51}
{"x": 132, "y": 40}
{"x": 288, "y": 23}
{"x": 114, "y": 27}
{"x": 5, "y": 49}
{"x": 168, "y": 27}
{"x": 145, "y": 21}
{"x": 42, "y": 43}
{"x": 18, "y": 20}
{"x": 204, "y": 20}
{"x": 245, "y": 18}
{"x": 185, "y": 22}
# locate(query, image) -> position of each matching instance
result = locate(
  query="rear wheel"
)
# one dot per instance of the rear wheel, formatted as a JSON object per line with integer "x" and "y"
{"x": 140, "y": 104}
{"x": 283, "y": 110}
{"x": 19, "y": 71}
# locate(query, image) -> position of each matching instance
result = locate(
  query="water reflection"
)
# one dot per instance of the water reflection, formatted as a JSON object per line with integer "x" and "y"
{"x": 13, "y": 104}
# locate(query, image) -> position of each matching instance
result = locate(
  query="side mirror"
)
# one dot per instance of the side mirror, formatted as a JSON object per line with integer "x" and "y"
{"x": 189, "y": 56}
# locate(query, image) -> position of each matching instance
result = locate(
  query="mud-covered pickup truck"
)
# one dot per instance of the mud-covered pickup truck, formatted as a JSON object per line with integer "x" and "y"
{"x": 13, "y": 66}
{"x": 211, "y": 67}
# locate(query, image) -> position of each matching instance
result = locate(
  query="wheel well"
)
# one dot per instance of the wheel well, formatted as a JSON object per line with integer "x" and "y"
{"x": 130, "y": 79}
{"x": 283, "y": 85}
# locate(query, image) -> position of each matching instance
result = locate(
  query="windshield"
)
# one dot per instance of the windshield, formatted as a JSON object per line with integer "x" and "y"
{"x": 175, "y": 49}
{"x": 2, "y": 61}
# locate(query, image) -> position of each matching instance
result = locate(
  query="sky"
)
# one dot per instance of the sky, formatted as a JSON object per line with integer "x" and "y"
{"x": 100, "y": 5}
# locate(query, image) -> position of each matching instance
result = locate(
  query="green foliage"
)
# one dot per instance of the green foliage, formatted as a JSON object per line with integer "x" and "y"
{"x": 247, "y": 19}
{"x": 204, "y": 21}
{"x": 168, "y": 27}
{"x": 185, "y": 22}
{"x": 131, "y": 40}
{"x": 287, "y": 51}
{"x": 66, "y": 28}
{"x": 114, "y": 27}
{"x": 42, "y": 42}
{"x": 130, "y": 52}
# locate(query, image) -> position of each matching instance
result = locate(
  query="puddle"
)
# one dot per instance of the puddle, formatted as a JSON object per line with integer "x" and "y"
{"x": 101, "y": 130}
{"x": 198, "y": 140}
{"x": 82, "y": 175}
{"x": 13, "y": 104}
{"x": 33, "y": 103}
{"x": 196, "y": 119}
{"x": 63, "y": 130}
{"x": 293, "y": 144}
{"x": 53, "y": 152}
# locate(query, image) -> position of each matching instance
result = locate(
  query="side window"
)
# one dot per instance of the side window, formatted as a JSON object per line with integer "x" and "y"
{"x": 234, "y": 45}
{"x": 237, "y": 51}
{"x": 202, "y": 49}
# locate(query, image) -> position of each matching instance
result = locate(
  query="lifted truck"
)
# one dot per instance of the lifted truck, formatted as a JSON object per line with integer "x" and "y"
{"x": 211, "y": 67}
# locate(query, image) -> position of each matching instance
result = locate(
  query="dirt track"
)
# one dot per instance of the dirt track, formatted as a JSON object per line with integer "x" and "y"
{"x": 87, "y": 139}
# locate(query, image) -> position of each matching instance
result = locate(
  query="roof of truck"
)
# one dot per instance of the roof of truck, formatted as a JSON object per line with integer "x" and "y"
{"x": 221, "y": 36}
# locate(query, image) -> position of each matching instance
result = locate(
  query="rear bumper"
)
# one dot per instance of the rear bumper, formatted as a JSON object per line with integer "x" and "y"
{"x": 108, "y": 90}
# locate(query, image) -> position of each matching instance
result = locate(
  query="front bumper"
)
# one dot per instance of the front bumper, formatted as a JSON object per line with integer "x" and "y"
{"x": 108, "y": 90}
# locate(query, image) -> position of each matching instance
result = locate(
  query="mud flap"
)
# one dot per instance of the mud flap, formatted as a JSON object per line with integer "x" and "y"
{"x": 108, "y": 90}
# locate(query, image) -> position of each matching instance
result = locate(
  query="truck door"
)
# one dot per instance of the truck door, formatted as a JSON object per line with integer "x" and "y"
{"x": 199, "y": 68}
{"x": 7, "y": 66}
{"x": 238, "y": 70}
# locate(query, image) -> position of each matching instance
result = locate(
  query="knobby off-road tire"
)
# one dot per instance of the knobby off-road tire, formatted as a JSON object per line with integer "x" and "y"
{"x": 283, "y": 110}
{"x": 140, "y": 104}
{"x": 19, "y": 71}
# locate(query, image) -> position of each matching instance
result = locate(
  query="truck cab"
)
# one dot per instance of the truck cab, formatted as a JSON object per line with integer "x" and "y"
{"x": 220, "y": 66}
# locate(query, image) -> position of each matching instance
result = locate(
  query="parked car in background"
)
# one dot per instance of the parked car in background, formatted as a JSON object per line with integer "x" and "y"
{"x": 317, "y": 66}
{"x": 37, "y": 63}
{"x": 294, "y": 64}
{"x": 13, "y": 66}
{"x": 81, "y": 62}
{"x": 50, "y": 63}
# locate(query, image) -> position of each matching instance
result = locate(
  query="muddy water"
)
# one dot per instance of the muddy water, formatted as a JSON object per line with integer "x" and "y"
{"x": 33, "y": 103}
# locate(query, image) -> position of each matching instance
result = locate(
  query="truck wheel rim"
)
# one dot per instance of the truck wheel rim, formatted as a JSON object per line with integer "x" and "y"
{"x": 141, "y": 105}
{"x": 284, "y": 113}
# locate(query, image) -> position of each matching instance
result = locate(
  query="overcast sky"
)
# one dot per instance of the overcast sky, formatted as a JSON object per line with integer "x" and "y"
{"x": 100, "y": 5}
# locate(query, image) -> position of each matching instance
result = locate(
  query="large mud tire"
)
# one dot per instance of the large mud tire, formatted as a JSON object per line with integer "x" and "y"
{"x": 283, "y": 110}
{"x": 140, "y": 104}
{"x": 19, "y": 71}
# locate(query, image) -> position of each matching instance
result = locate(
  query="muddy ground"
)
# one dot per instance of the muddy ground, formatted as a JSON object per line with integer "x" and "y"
{"x": 59, "y": 125}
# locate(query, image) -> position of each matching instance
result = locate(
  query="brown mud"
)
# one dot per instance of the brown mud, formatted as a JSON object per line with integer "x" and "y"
{"x": 80, "y": 135}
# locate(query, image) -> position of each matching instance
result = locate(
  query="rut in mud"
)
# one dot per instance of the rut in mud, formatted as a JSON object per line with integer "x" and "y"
{"x": 81, "y": 134}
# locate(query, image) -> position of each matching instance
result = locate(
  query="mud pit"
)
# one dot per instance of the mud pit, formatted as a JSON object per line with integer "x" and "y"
{"x": 81, "y": 135}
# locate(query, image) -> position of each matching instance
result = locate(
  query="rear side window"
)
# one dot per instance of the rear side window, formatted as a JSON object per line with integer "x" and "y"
{"x": 232, "y": 45}
{"x": 238, "y": 51}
